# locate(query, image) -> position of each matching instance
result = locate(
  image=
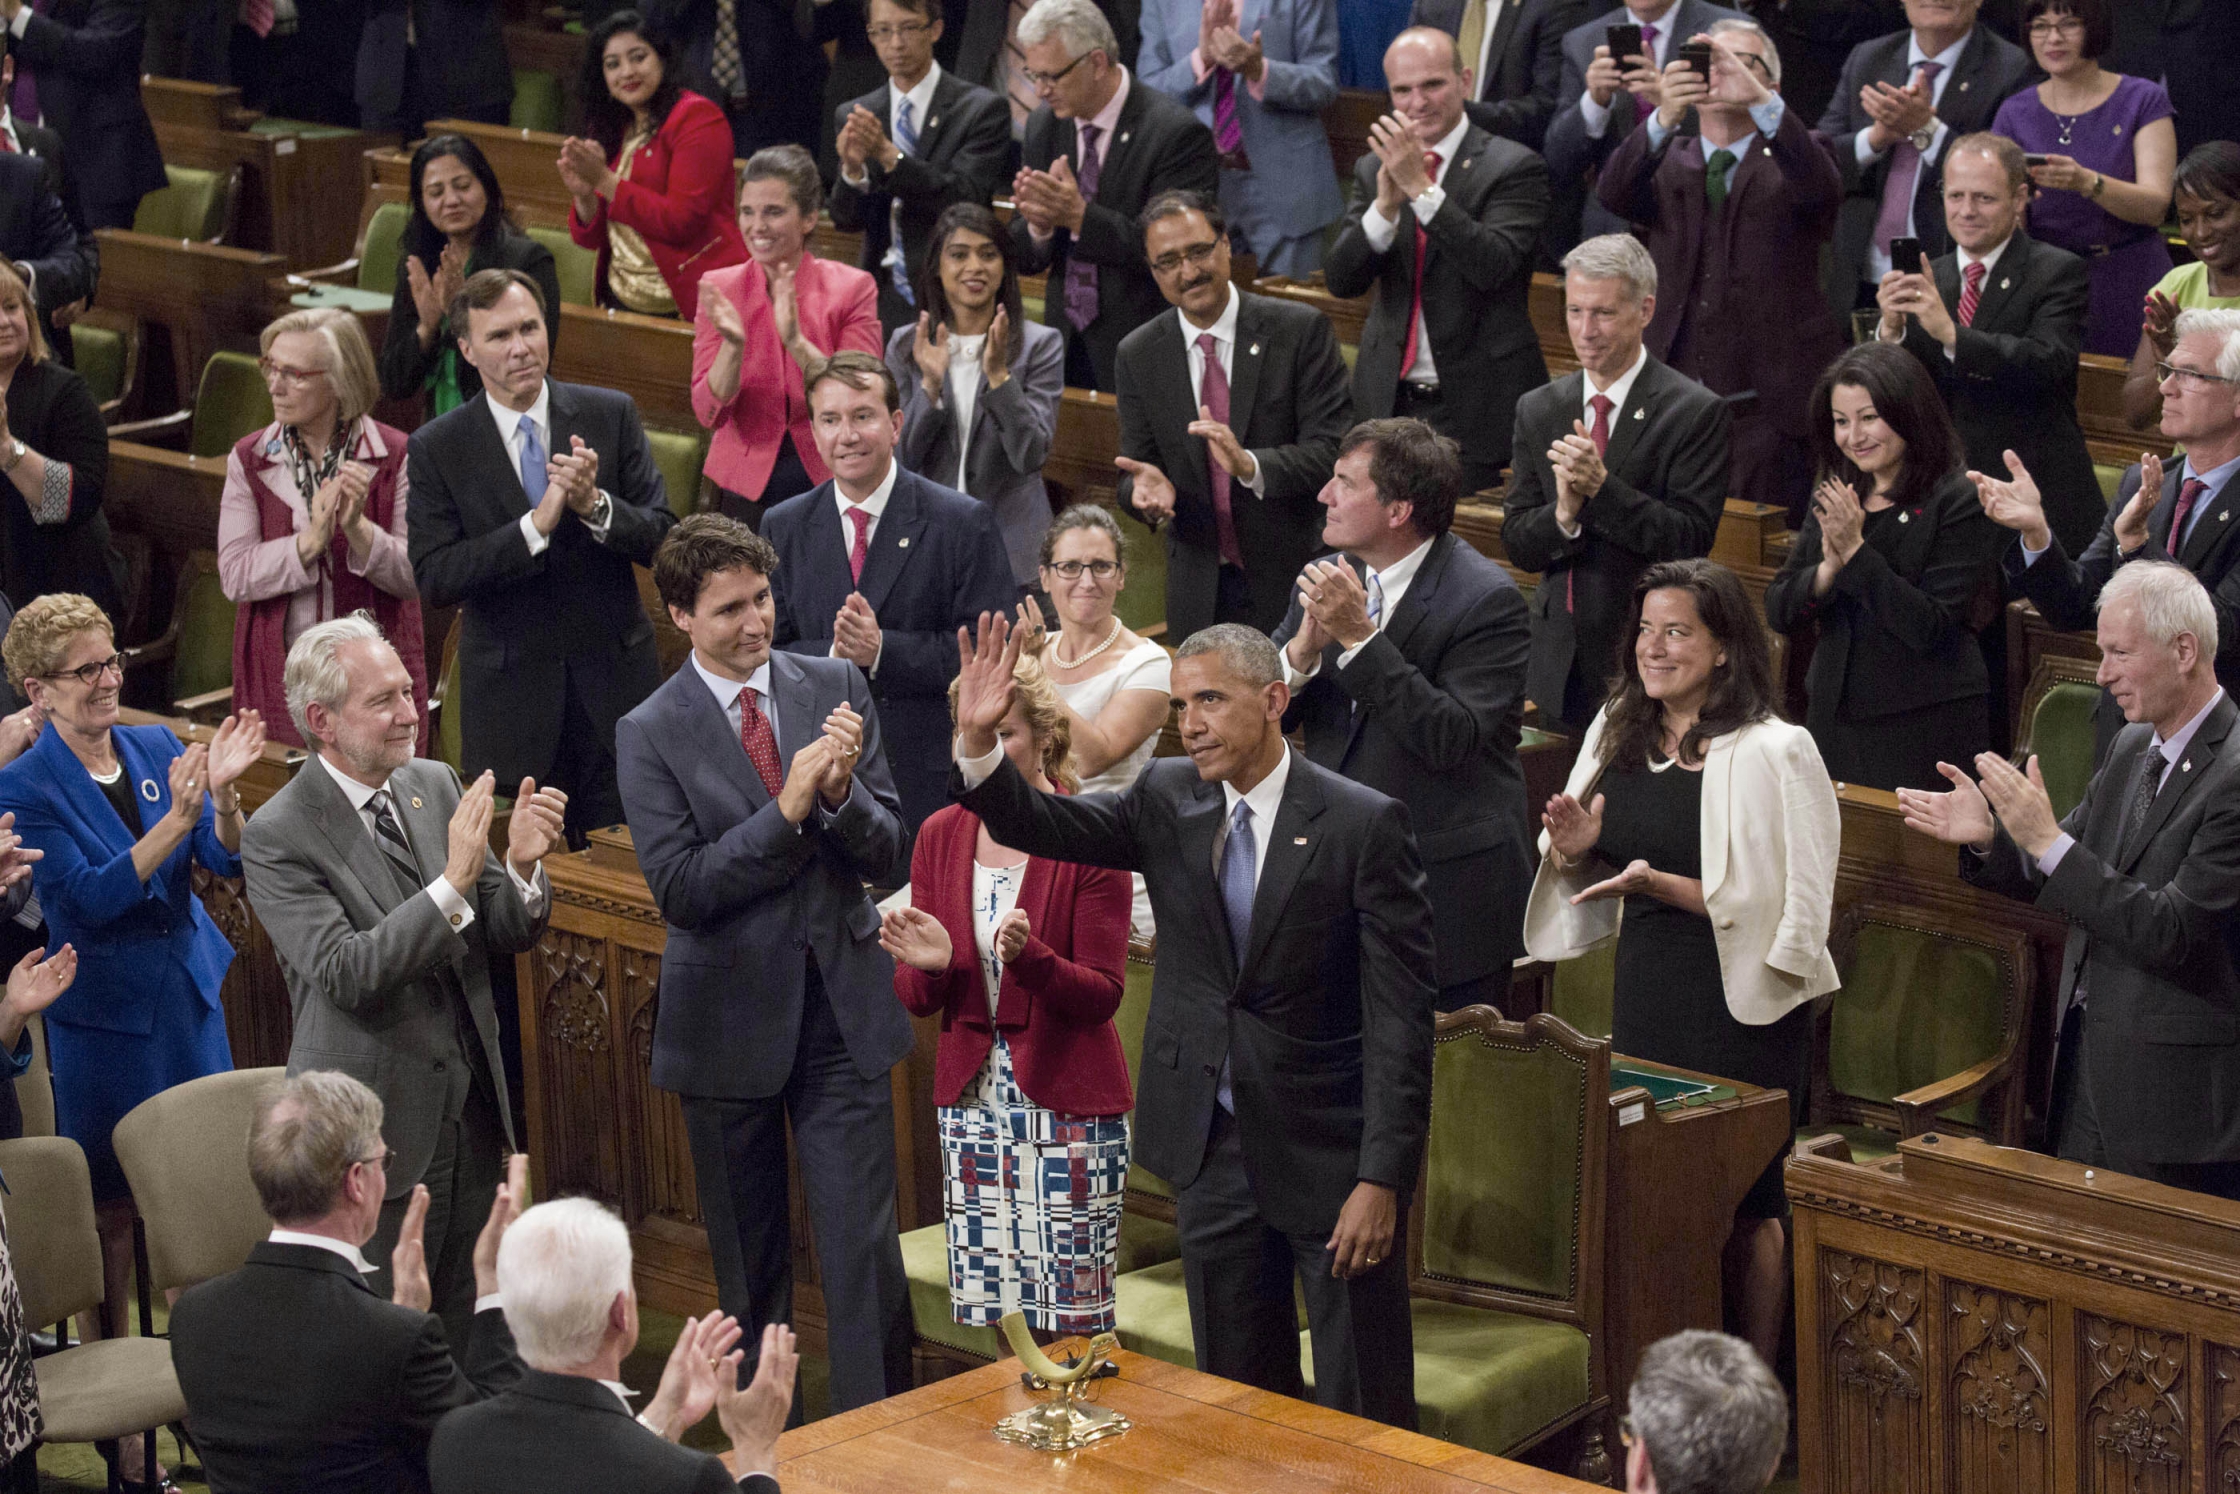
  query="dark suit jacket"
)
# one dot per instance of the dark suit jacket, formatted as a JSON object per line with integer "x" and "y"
{"x": 85, "y": 57}
{"x": 459, "y": 51}
{"x": 53, "y": 412}
{"x": 532, "y": 625}
{"x": 1990, "y": 68}
{"x": 740, "y": 887}
{"x": 2154, "y": 937}
{"x": 1325, "y": 1019}
{"x": 1717, "y": 275}
{"x": 1288, "y": 405}
{"x": 975, "y": 30}
{"x": 1815, "y": 36}
{"x": 405, "y": 365}
{"x": 1516, "y": 97}
{"x": 964, "y": 150}
{"x": 1666, "y": 489}
{"x": 1477, "y": 278}
{"x": 2011, "y": 382}
{"x": 784, "y": 70}
{"x": 1429, "y": 713}
{"x": 936, "y": 563}
{"x": 1159, "y": 145}
{"x": 36, "y": 229}
{"x": 298, "y": 1377}
{"x": 565, "y": 1432}
{"x": 46, "y": 144}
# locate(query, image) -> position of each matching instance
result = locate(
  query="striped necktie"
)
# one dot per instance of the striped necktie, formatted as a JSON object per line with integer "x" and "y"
{"x": 389, "y": 836}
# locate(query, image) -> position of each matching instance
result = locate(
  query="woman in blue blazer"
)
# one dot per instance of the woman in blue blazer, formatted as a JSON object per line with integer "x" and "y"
{"x": 122, "y": 815}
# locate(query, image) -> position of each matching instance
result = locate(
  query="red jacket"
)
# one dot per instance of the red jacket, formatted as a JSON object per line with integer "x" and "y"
{"x": 1056, "y": 1002}
{"x": 680, "y": 197}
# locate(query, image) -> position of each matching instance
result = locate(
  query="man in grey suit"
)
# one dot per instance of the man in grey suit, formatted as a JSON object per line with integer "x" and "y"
{"x": 372, "y": 873}
{"x": 777, "y": 1003}
{"x": 2146, "y": 870}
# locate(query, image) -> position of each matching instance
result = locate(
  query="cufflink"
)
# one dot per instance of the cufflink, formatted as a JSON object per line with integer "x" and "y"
{"x": 454, "y": 920}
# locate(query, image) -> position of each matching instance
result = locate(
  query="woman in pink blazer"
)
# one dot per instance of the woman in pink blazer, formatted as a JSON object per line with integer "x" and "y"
{"x": 761, "y": 326}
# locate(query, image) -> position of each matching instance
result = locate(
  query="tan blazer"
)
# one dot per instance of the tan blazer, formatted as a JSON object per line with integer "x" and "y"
{"x": 1770, "y": 839}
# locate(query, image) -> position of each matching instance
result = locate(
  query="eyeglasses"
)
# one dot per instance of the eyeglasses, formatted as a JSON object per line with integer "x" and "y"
{"x": 1102, "y": 570}
{"x": 1626, "y": 1435}
{"x": 90, "y": 674}
{"x": 1757, "y": 62}
{"x": 880, "y": 35}
{"x": 1197, "y": 256}
{"x": 2042, "y": 29}
{"x": 280, "y": 373}
{"x": 2165, "y": 372}
{"x": 382, "y": 1160}
{"x": 1039, "y": 81}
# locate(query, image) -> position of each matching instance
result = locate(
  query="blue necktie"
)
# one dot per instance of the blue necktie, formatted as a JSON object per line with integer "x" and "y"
{"x": 534, "y": 478}
{"x": 906, "y": 140}
{"x": 1376, "y": 617}
{"x": 1236, "y": 899}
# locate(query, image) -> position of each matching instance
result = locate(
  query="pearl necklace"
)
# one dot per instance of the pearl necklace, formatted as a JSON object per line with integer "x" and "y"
{"x": 1064, "y": 663}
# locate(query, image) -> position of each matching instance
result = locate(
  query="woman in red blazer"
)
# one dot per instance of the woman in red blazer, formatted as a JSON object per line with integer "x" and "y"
{"x": 1024, "y": 959}
{"x": 761, "y": 326}
{"x": 652, "y": 186}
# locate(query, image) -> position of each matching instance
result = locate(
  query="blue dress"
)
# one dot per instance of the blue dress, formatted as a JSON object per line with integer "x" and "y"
{"x": 144, "y": 1014}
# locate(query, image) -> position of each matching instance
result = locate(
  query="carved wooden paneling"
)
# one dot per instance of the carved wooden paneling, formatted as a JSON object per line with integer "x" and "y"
{"x": 2131, "y": 1407}
{"x": 575, "y": 1052}
{"x": 2222, "y": 1371}
{"x": 1999, "y": 1404}
{"x": 659, "y": 1175}
{"x": 1871, "y": 1319}
{"x": 259, "y": 1021}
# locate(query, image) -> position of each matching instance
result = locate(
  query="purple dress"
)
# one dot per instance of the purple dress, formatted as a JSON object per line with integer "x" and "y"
{"x": 2126, "y": 259}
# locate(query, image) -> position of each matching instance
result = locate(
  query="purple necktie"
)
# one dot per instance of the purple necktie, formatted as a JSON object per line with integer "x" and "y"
{"x": 1213, "y": 393}
{"x": 1905, "y": 175}
{"x": 26, "y": 105}
{"x": 1081, "y": 276}
{"x": 1641, "y": 108}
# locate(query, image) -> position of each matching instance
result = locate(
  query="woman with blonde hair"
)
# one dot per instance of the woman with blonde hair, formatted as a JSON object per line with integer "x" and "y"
{"x": 54, "y": 454}
{"x": 1024, "y": 961}
{"x": 312, "y": 523}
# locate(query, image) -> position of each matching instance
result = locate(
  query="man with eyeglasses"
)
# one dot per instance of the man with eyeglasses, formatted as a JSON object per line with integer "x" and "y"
{"x": 1230, "y": 412}
{"x": 924, "y": 140}
{"x": 1097, "y": 149}
{"x": 1737, "y": 216}
{"x": 2180, "y": 509}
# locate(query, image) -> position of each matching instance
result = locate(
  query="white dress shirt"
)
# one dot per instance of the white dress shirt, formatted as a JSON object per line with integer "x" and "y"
{"x": 1107, "y": 121}
{"x": 509, "y": 431}
{"x": 456, "y": 910}
{"x": 357, "y": 1257}
{"x": 1380, "y": 231}
{"x": 726, "y": 692}
{"x": 1392, "y": 585}
{"x": 1617, "y": 393}
{"x": 1596, "y": 117}
{"x": 1224, "y": 333}
{"x": 1878, "y": 261}
{"x": 966, "y": 375}
{"x": 875, "y": 505}
{"x": 920, "y": 99}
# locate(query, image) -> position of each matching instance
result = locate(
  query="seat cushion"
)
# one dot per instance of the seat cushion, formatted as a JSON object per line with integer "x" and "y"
{"x": 925, "y": 1261}
{"x": 1146, "y": 1242}
{"x": 1490, "y": 1380}
{"x": 1154, "y": 1313}
{"x": 109, "y": 1388}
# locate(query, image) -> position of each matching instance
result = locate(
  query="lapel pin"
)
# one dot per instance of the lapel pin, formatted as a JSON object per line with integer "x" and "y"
{"x": 1124, "y": 137}
{"x": 1640, "y": 414}
{"x": 1254, "y": 350}
{"x": 415, "y": 801}
{"x": 2004, "y": 283}
{"x": 930, "y": 123}
{"x": 1963, "y": 85}
{"x": 2186, "y": 766}
{"x": 903, "y": 543}
{"x": 1298, "y": 840}
{"x": 1905, "y": 518}
{"x": 148, "y": 790}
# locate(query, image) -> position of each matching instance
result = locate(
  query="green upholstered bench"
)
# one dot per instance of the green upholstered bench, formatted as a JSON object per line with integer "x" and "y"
{"x": 229, "y": 403}
{"x": 1492, "y": 1380}
{"x": 679, "y": 455}
{"x": 2062, "y": 733}
{"x": 537, "y": 102}
{"x": 578, "y": 267}
{"x": 194, "y": 205}
{"x": 925, "y": 1261}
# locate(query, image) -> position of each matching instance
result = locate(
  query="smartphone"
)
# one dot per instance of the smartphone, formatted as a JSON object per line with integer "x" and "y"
{"x": 1624, "y": 42}
{"x": 1906, "y": 255}
{"x": 2033, "y": 159}
{"x": 1698, "y": 56}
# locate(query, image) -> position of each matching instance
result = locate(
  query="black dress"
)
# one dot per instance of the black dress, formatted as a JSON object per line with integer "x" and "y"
{"x": 1669, "y": 1004}
{"x": 52, "y": 412}
{"x": 406, "y": 367}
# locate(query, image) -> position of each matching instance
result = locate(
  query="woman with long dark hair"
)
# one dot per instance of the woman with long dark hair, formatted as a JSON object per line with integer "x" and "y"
{"x": 980, "y": 383}
{"x": 651, "y": 187}
{"x": 458, "y": 226}
{"x": 1894, "y": 558}
{"x": 2205, "y": 194}
{"x": 1700, "y": 831}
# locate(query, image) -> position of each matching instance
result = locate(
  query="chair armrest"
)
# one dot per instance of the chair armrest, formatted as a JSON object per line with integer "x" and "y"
{"x": 194, "y": 705}
{"x": 162, "y": 430}
{"x": 1831, "y": 1145}
{"x": 1918, "y": 1109}
{"x": 342, "y": 272}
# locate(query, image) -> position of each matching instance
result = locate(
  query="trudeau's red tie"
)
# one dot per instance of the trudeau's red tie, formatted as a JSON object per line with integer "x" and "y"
{"x": 1415, "y": 302}
{"x": 2189, "y": 493}
{"x": 1599, "y": 433}
{"x": 760, "y": 741}
{"x": 861, "y": 547}
{"x": 1971, "y": 291}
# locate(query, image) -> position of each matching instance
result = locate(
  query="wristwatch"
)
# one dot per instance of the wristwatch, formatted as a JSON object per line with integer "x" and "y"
{"x": 16, "y": 450}
{"x": 1923, "y": 136}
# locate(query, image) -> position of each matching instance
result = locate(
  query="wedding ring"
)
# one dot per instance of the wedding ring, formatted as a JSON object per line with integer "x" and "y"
{"x": 1376, "y": 1260}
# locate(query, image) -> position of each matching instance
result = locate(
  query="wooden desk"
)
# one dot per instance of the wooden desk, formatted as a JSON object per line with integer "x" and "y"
{"x": 193, "y": 298}
{"x": 1082, "y": 448}
{"x": 1976, "y": 1319}
{"x": 526, "y": 162}
{"x": 1193, "y": 1434}
{"x": 538, "y": 47}
{"x": 1751, "y": 540}
{"x": 177, "y": 101}
{"x": 648, "y": 358}
{"x": 299, "y": 193}
{"x": 2100, "y": 412}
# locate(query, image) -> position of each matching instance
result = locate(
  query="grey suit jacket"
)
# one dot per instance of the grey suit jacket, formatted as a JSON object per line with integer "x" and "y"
{"x": 365, "y": 964}
{"x": 1009, "y": 441}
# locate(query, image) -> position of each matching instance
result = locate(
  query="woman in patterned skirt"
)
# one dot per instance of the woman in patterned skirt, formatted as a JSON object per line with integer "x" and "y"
{"x": 32, "y": 987}
{"x": 1023, "y": 959}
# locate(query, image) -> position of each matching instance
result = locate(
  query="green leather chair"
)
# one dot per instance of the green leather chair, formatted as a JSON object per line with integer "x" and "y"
{"x": 198, "y": 204}
{"x": 197, "y": 647}
{"x": 1927, "y": 1032}
{"x": 537, "y": 102}
{"x": 578, "y": 266}
{"x": 229, "y": 403}
{"x": 103, "y": 357}
{"x": 382, "y": 246}
{"x": 1580, "y": 990}
{"x": 2061, "y": 732}
{"x": 679, "y": 455}
{"x": 1143, "y": 604}
{"x": 445, "y": 727}
{"x": 1506, "y": 1236}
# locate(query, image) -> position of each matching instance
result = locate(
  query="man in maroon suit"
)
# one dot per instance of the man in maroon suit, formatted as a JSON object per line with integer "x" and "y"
{"x": 1737, "y": 216}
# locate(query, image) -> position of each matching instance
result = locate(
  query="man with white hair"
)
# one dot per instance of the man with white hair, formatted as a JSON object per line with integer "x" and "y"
{"x": 564, "y": 1276}
{"x": 372, "y": 873}
{"x": 2146, "y": 869}
{"x": 1704, "y": 1416}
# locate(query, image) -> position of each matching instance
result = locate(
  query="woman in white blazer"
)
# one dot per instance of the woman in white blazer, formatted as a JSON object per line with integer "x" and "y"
{"x": 1700, "y": 831}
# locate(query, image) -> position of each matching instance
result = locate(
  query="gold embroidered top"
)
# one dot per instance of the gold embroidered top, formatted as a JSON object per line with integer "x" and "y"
{"x": 631, "y": 273}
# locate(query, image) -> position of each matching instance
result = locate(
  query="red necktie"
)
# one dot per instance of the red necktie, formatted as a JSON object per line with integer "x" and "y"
{"x": 1599, "y": 432}
{"x": 1415, "y": 302}
{"x": 1971, "y": 291}
{"x": 2189, "y": 493}
{"x": 258, "y": 16}
{"x": 1213, "y": 393}
{"x": 760, "y": 741}
{"x": 861, "y": 518}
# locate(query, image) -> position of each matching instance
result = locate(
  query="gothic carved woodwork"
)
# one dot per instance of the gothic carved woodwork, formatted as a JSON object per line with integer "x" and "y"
{"x": 1874, "y": 1378}
{"x": 2131, "y": 1393}
{"x": 2000, "y": 1390}
{"x": 2222, "y": 1371}
{"x": 575, "y": 1051}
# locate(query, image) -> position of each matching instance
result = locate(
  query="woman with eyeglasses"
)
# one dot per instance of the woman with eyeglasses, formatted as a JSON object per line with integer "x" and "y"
{"x": 121, "y": 816}
{"x": 54, "y": 465}
{"x": 2207, "y": 193}
{"x": 312, "y": 522}
{"x": 651, "y": 187}
{"x": 2105, "y": 147}
{"x": 980, "y": 382}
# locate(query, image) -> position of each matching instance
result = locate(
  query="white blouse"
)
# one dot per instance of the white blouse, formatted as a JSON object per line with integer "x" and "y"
{"x": 965, "y": 375}
{"x": 995, "y": 892}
